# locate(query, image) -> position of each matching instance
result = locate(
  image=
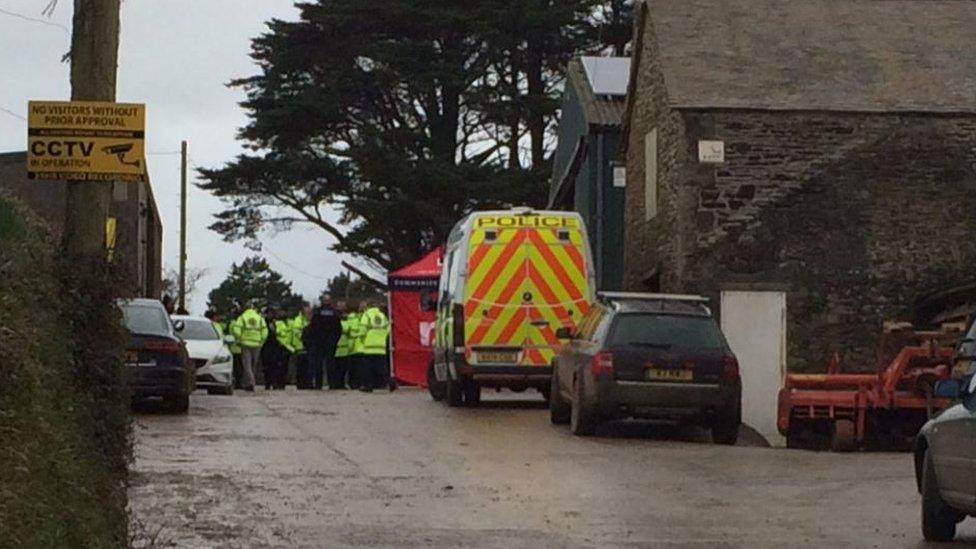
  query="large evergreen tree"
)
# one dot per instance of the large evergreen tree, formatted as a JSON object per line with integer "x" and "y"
{"x": 403, "y": 116}
{"x": 253, "y": 279}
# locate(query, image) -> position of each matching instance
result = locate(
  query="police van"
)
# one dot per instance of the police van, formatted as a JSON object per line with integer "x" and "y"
{"x": 510, "y": 280}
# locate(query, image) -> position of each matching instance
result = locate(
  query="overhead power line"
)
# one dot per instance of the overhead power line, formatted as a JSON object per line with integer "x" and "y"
{"x": 12, "y": 113}
{"x": 34, "y": 20}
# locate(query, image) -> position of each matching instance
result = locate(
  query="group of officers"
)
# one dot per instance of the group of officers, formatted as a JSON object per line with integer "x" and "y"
{"x": 344, "y": 348}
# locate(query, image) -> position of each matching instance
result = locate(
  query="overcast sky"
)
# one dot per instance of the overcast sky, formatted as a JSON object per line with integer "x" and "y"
{"x": 176, "y": 57}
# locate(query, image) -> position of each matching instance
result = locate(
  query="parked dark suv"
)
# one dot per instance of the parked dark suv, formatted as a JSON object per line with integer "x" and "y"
{"x": 156, "y": 361}
{"x": 649, "y": 356}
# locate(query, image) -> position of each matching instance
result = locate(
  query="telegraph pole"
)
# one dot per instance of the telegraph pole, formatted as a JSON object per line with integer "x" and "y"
{"x": 182, "y": 299}
{"x": 94, "y": 62}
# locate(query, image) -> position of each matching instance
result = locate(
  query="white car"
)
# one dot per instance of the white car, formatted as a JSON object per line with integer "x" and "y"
{"x": 209, "y": 353}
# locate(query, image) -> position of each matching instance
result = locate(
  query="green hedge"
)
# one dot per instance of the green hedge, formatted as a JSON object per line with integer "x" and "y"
{"x": 64, "y": 439}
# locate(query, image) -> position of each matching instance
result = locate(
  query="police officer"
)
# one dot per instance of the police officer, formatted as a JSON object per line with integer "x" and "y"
{"x": 283, "y": 338}
{"x": 355, "y": 358}
{"x": 251, "y": 332}
{"x": 321, "y": 338}
{"x": 235, "y": 348}
{"x": 375, "y": 329}
{"x": 298, "y": 325}
{"x": 344, "y": 347}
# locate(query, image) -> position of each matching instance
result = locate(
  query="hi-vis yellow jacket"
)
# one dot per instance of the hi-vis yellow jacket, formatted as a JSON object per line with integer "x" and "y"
{"x": 375, "y": 328}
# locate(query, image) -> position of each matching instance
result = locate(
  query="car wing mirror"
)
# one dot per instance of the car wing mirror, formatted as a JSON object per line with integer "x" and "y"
{"x": 179, "y": 325}
{"x": 230, "y": 339}
{"x": 565, "y": 333}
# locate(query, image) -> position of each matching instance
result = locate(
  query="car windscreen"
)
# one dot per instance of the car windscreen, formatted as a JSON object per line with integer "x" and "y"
{"x": 199, "y": 330}
{"x": 146, "y": 320}
{"x": 666, "y": 331}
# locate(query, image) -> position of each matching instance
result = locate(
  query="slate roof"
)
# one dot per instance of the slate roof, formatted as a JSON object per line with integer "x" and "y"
{"x": 599, "y": 110}
{"x": 838, "y": 55}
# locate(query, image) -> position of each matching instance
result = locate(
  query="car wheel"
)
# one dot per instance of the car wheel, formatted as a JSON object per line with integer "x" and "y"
{"x": 452, "y": 393}
{"x": 559, "y": 410}
{"x": 225, "y": 391}
{"x": 582, "y": 419}
{"x": 472, "y": 392}
{"x": 938, "y": 519}
{"x": 437, "y": 389}
{"x": 725, "y": 427}
{"x": 179, "y": 404}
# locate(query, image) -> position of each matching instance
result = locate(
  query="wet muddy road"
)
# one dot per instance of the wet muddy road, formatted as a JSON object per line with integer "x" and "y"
{"x": 298, "y": 469}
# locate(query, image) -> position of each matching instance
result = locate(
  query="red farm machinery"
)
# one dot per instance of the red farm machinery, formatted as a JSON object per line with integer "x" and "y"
{"x": 883, "y": 409}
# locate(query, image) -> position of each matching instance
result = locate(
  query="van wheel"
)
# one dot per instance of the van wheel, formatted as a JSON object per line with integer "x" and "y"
{"x": 582, "y": 418}
{"x": 452, "y": 393}
{"x": 472, "y": 392}
{"x": 437, "y": 389}
{"x": 938, "y": 519}
{"x": 559, "y": 410}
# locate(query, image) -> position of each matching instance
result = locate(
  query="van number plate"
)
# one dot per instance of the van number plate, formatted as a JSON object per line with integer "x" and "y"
{"x": 504, "y": 357}
{"x": 660, "y": 374}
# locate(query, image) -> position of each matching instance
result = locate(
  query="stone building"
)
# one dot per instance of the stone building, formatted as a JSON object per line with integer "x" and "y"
{"x": 585, "y": 160}
{"x": 139, "y": 230}
{"x": 824, "y": 147}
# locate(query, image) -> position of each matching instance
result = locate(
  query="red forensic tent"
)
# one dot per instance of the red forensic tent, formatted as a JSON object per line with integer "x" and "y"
{"x": 413, "y": 304}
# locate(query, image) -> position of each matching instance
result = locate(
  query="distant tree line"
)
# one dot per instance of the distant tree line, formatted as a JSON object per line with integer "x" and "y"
{"x": 254, "y": 280}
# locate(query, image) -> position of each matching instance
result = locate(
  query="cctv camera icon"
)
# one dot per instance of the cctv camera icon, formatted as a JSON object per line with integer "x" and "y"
{"x": 120, "y": 151}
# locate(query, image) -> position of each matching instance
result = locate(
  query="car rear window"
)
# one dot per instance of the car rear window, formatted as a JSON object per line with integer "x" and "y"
{"x": 666, "y": 331}
{"x": 199, "y": 330}
{"x": 140, "y": 319}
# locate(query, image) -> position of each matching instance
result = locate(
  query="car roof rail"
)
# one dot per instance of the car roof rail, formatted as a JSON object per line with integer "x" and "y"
{"x": 652, "y": 297}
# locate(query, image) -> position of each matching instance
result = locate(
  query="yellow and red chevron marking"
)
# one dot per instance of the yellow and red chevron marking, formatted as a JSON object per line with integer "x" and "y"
{"x": 523, "y": 262}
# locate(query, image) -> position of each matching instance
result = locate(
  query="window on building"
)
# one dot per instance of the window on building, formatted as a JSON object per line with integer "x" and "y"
{"x": 650, "y": 175}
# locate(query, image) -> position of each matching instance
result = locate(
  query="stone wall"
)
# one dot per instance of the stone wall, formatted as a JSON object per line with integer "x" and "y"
{"x": 859, "y": 215}
{"x": 648, "y": 109}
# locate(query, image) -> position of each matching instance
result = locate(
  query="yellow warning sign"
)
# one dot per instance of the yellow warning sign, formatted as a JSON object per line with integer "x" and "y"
{"x": 86, "y": 140}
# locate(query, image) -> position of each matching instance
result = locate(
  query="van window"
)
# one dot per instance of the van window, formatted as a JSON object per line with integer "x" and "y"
{"x": 445, "y": 284}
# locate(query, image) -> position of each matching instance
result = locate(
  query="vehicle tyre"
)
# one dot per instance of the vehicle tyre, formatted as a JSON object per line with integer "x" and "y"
{"x": 225, "y": 391}
{"x": 472, "y": 392}
{"x": 938, "y": 519}
{"x": 452, "y": 393}
{"x": 559, "y": 410}
{"x": 437, "y": 389}
{"x": 725, "y": 428}
{"x": 179, "y": 404}
{"x": 842, "y": 437}
{"x": 582, "y": 418}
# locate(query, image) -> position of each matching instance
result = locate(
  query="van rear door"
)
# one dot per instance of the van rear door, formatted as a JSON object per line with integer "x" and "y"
{"x": 526, "y": 278}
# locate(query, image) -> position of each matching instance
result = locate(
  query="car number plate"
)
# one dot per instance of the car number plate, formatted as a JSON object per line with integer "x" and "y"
{"x": 661, "y": 374}
{"x": 505, "y": 357}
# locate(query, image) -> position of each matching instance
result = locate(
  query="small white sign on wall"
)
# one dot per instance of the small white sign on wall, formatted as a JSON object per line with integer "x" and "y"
{"x": 619, "y": 176}
{"x": 711, "y": 152}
